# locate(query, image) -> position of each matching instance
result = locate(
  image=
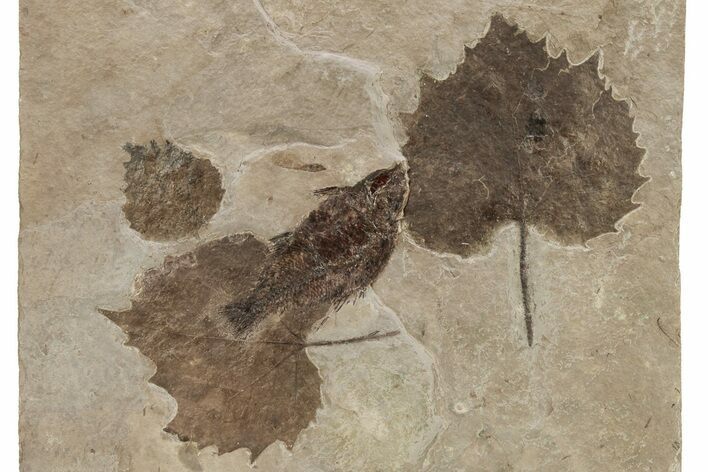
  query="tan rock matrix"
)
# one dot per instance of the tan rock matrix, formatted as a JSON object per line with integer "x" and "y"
{"x": 488, "y": 281}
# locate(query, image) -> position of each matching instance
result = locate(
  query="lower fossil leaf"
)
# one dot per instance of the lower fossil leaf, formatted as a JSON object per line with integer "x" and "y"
{"x": 230, "y": 392}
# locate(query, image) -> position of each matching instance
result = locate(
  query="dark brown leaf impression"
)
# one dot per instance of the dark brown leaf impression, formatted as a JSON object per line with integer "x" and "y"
{"x": 226, "y": 324}
{"x": 170, "y": 193}
{"x": 515, "y": 135}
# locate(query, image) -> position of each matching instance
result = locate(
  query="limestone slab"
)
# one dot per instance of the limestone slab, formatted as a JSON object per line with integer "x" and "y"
{"x": 425, "y": 363}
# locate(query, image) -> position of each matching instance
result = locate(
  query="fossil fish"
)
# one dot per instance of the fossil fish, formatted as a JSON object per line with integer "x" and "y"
{"x": 334, "y": 254}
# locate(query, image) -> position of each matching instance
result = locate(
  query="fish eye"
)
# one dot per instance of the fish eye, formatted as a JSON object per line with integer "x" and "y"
{"x": 378, "y": 182}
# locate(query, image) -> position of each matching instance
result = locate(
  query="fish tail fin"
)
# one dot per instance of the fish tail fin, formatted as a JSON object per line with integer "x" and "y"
{"x": 242, "y": 314}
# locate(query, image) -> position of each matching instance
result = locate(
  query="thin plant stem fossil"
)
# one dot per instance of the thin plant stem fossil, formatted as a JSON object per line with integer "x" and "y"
{"x": 374, "y": 335}
{"x": 524, "y": 278}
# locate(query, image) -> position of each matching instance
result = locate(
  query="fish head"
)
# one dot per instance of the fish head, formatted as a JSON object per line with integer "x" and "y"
{"x": 385, "y": 189}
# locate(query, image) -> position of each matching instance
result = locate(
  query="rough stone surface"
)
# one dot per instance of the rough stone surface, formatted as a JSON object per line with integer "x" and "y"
{"x": 284, "y": 97}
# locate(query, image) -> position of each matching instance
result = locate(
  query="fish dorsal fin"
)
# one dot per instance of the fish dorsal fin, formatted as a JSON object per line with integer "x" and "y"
{"x": 329, "y": 191}
{"x": 280, "y": 241}
{"x": 275, "y": 239}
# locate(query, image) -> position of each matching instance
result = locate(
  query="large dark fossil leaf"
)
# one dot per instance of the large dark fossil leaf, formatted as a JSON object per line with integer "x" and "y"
{"x": 226, "y": 324}
{"x": 515, "y": 135}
